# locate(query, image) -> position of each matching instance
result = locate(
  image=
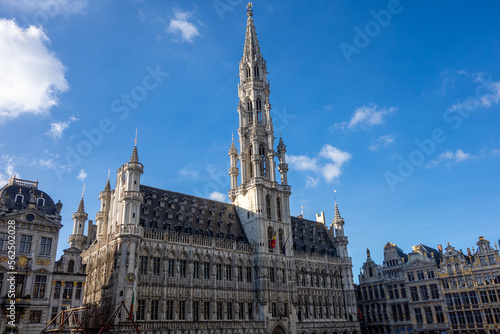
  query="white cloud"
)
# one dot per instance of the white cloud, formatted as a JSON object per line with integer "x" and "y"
{"x": 449, "y": 156}
{"x": 302, "y": 162}
{"x": 46, "y": 8}
{"x": 7, "y": 169}
{"x": 82, "y": 175}
{"x": 189, "y": 171}
{"x": 31, "y": 76}
{"x": 217, "y": 196}
{"x": 56, "y": 129}
{"x": 311, "y": 182}
{"x": 49, "y": 163}
{"x": 381, "y": 142}
{"x": 180, "y": 25}
{"x": 364, "y": 117}
{"x": 141, "y": 15}
{"x": 328, "y": 164}
{"x": 491, "y": 98}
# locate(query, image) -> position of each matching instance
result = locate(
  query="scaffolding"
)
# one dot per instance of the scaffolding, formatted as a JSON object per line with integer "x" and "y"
{"x": 91, "y": 320}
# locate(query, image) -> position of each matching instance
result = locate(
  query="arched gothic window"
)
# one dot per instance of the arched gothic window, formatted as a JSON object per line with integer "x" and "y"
{"x": 268, "y": 207}
{"x": 259, "y": 111}
{"x": 262, "y": 153}
{"x": 248, "y": 72}
{"x": 278, "y": 208}
{"x": 256, "y": 71}
{"x": 250, "y": 112}
{"x": 282, "y": 242}
{"x": 250, "y": 168}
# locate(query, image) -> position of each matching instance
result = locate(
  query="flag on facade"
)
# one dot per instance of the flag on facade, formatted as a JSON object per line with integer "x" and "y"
{"x": 132, "y": 307}
{"x": 273, "y": 241}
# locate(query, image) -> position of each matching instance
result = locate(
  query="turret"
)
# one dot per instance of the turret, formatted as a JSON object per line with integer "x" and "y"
{"x": 130, "y": 195}
{"x": 283, "y": 166}
{"x": 77, "y": 239}
{"x": 338, "y": 225}
{"x": 103, "y": 215}
{"x": 233, "y": 170}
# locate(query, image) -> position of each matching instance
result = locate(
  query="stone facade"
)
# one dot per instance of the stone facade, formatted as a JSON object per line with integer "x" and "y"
{"x": 43, "y": 286}
{"x": 193, "y": 265}
{"x": 432, "y": 291}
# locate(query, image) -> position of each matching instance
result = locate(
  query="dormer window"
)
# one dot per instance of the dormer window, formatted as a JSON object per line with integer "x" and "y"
{"x": 40, "y": 202}
{"x": 19, "y": 198}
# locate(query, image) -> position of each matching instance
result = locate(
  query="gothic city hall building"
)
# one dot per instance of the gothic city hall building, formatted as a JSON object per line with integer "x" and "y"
{"x": 186, "y": 264}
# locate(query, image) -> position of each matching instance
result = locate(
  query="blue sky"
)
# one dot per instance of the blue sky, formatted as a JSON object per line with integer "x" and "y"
{"x": 393, "y": 103}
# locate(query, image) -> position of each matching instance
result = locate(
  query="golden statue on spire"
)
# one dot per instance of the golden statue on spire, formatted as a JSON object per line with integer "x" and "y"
{"x": 249, "y": 6}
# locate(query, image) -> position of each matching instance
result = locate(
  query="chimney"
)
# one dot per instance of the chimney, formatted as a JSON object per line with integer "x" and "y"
{"x": 320, "y": 217}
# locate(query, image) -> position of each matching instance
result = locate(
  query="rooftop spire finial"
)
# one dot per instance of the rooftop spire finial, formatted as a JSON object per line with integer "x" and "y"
{"x": 83, "y": 190}
{"x": 135, "y": 140}
{"x": 302, "y": 210}
{"x": 109, "y": 172}
{"x": 249, "y": 9}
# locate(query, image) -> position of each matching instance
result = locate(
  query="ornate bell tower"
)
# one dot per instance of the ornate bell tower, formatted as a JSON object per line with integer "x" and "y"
{"x": 262, "y": 202}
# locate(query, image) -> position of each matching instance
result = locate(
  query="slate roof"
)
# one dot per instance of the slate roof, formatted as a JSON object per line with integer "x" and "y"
{"x": 9, "y": 191}
{"x": 310, "y": 236}
{"x": 177, "y": 212}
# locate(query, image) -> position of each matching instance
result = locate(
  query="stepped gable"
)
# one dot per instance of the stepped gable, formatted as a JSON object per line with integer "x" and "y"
{"x": 310, "y": 236}
{"x": 181, "y": 213}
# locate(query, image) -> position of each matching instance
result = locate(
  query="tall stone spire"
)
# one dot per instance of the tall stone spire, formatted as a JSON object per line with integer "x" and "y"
{"x": 337, "y": 212}
{"x": 77, "y": 239}
{"x": 135, "y": 155}
{"x": 251, "y": 50}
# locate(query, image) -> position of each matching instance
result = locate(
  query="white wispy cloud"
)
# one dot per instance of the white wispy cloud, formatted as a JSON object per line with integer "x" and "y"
{"x": 7, "y": 169}
{"x": 217, "y": 196}
{"x": 189, "y": 171}
{"x": 142, "y": 16}
{"x": 490, "y": 98}
{"x": 449, "y": 156}
{"x": 57, "y": 128}
{"x": 82, "y": 175}
{"x": 327, "y": 164}
{"x": 46, "y": 8}
{"x": 381, "y": 142}
{"x": 365, "y": 116}
{"x": 31, "y": 76}
{"x": 181, "y": 26}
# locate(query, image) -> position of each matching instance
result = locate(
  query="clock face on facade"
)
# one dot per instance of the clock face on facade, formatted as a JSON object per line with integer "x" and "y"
{"x": 130, "y": 278}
